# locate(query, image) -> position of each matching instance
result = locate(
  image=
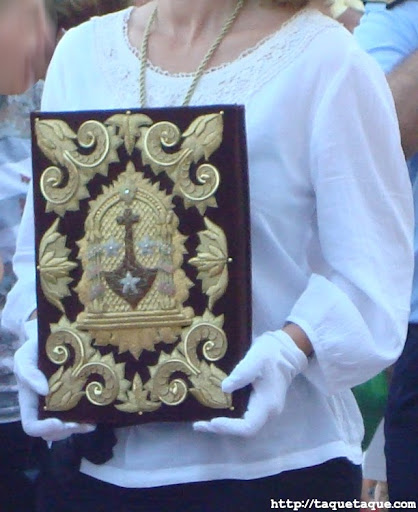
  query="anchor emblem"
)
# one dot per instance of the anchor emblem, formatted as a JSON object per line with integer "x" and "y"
{"x": 131, "y": 280}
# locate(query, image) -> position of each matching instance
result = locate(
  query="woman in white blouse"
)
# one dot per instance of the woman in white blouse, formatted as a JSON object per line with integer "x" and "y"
{"x": 331, "y": 227}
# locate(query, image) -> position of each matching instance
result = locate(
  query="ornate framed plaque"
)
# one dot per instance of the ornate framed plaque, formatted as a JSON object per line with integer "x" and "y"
{"x": 143, "y": 262}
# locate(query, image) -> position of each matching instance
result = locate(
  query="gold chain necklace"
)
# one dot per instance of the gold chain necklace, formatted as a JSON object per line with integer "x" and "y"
{"x": 202, "y": 66}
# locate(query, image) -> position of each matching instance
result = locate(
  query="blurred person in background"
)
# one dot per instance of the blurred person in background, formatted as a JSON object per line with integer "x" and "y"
{"x": 28, "y": 30}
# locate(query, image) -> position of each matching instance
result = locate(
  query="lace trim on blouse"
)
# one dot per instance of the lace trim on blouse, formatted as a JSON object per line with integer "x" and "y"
{"x": 231, "y": 82}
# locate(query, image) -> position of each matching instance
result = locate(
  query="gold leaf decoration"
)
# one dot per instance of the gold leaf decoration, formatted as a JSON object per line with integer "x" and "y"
{"x": 137, "y": 399}
{"x": 55, "y": 138}
{"x": 65, "y": 391}
{"x": 54, "y": 267}
{"x": 204, "y": 136}
{"x": 212, "y": 261}
{"x": 131, "y": 128}
{"x": 207, "y": 387}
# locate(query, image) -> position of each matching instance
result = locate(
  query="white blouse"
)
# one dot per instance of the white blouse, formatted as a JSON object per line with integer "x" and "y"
{"x": 331, "y": 228}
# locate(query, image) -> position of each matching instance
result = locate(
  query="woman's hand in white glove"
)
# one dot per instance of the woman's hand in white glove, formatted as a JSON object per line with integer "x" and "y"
{"x": 32, "y": 382}
{"x": 270, "y": 365}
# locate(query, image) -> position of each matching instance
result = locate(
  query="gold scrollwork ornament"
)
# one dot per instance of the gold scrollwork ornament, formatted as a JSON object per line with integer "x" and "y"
{"x": 131, "y": 128}
{"x": 138, "y": 399}
{"x": 202, "y": 378}
{"x": 63, "y": 185}
{"x": 72, "y": 350}
{"x": 200, "y": 140}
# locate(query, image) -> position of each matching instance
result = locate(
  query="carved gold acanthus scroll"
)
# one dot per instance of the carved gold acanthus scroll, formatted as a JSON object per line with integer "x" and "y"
{"x": 54, "y": 267}
{"x": 201, "y": 139}
{"x": 206, "y": 334}
{"x": 76, "y": 158}
{"x": 69, "y": 384}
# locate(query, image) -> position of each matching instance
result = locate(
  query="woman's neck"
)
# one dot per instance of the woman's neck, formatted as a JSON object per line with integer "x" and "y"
{"x": 190, "y": 19}
{"x": 184, "y": 30}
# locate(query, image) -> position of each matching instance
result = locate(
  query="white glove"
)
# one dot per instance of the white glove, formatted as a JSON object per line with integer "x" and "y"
{"x": 32, "y": 382}
{"x": 270, "y": 365}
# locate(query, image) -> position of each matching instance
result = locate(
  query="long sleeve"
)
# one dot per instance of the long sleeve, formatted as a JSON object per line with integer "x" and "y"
{"x": 356, "y": 312}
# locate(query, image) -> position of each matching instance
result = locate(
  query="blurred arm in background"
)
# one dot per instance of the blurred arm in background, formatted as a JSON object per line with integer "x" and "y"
{"x": 27, "y": 41}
